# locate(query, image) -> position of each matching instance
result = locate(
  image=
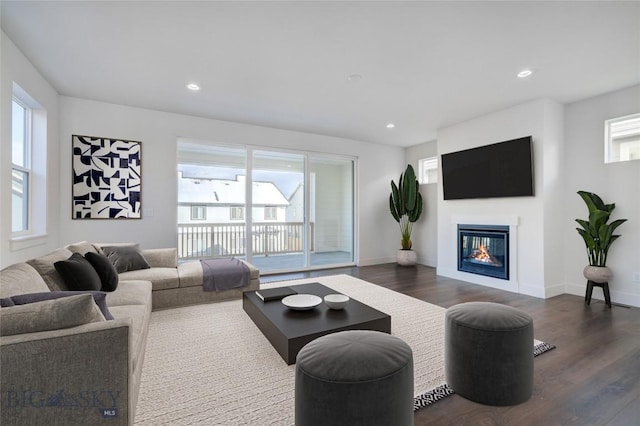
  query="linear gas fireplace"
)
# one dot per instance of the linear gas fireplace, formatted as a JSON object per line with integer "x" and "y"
{"x": 484, "y": 250}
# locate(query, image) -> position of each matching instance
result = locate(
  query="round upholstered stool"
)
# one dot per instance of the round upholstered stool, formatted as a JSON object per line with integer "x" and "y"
{"x": 354, "y": 378}
{"x": 489, "y": 353}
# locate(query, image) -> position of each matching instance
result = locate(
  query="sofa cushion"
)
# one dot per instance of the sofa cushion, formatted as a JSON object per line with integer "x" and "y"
{"x": 82, "y": 247}
{"x": 49, "y": 315}
{"x": 130, "y": 293}
{"x": 20, "y": 278}
{"x": 125, "y": 258}
{"x": 44, "y": 266}
{"x": 78, "y": 274}
{"x": 99, "y": 298}
{"x": 105, "y": 269}
{"x": 161, "y": 278}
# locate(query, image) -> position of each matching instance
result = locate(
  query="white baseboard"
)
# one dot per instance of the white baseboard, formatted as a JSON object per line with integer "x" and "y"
{"x": 620, "y": 297}
{"x": 376, "y": 261}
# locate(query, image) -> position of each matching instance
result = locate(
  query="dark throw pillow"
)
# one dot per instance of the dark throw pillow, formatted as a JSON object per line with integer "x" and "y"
{"x": 105, "y": 269}
{"x": 78, "y": 274}
{"x": 98, "y": 296}
{"x": 126, "y": 258}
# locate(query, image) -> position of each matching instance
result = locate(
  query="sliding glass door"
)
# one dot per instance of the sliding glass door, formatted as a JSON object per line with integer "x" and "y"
{"x": 331, "y": 210}
{"x": 281, "y": 210}
{"x": 278, "y": 206}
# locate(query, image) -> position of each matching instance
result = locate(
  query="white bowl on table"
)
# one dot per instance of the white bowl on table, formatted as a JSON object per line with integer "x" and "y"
{"x": 336, "y": 301}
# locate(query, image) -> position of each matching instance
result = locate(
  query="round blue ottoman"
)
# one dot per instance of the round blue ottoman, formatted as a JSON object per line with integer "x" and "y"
{"x": 354, "y": 378}
{"x": 489, "y": 353}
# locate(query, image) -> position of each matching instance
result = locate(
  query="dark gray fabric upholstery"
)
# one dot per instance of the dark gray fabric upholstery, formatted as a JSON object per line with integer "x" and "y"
{"x": 489, "y": 353}
{"x": 354, "y": 378}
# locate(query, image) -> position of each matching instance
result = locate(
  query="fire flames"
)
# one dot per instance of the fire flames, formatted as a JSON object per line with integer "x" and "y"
{"x": 481, "y": 254}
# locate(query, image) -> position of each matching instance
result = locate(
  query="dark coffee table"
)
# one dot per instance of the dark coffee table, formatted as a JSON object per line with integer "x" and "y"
{"x": 289, "y": 330}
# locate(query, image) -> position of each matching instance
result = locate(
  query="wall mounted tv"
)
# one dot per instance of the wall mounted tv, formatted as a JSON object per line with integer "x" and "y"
{"x": 503, "y": 169}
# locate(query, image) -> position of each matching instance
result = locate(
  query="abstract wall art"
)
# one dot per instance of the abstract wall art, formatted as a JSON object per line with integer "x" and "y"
{"x": 106, "y": 178}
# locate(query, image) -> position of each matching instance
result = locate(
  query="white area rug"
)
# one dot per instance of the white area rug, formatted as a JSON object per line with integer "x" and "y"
{"x": 210, "y": 364}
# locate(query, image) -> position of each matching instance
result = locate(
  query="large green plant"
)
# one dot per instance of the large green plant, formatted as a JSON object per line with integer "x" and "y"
{"x": 405, "y": 203}
{"x": 596, "y": 232}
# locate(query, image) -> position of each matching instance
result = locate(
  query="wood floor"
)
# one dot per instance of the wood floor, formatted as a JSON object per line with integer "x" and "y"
{"x": 591, "y": 378}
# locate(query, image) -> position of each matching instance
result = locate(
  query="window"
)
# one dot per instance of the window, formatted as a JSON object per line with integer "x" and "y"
{"x": 28, "y": 170}
{"x": 428, "y": 170}
{"x": 270, "y": 213}
{"x": 20, "y": 166}
{"x": 622, "y": 139}
{"x": 237, "y": 213}
{"x": 198, "y": 212}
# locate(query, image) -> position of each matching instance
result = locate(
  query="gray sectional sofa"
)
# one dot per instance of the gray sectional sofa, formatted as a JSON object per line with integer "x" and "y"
{"x": 62, "y": 361}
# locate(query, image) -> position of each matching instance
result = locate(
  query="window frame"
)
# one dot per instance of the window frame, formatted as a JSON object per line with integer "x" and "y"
{"x": 233, "y": 209}
{"x": 198, "y": 208}
{"x": 423, "y": 176}
{"x": 26, "y": 169}
{"x": 609, "y": 156}
{"x": 270, "y": 213}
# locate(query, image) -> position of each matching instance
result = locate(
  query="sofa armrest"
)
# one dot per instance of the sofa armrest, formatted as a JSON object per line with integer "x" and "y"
{"x": 74, "y": 376}
{"x": 162, "y": 257}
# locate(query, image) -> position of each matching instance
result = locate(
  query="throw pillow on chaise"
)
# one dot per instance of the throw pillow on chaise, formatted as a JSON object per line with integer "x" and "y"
{"x": 125, "y": 257}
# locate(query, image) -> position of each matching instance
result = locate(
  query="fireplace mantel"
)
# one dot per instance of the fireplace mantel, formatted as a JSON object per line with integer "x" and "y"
{"x": 510, "y": 220}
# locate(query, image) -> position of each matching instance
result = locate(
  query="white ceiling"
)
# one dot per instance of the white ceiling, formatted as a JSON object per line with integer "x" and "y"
{"x": 424, "y": 65}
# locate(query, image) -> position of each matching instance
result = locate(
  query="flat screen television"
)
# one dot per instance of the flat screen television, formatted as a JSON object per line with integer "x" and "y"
{"x": 503, "y": 169}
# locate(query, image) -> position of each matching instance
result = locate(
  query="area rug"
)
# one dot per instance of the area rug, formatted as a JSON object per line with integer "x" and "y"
{"x": 209, "y": 364}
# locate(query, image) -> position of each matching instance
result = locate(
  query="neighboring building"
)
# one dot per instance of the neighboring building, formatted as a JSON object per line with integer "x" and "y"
{"x": 222, "y": 201}
{"x": 212, "y": 217}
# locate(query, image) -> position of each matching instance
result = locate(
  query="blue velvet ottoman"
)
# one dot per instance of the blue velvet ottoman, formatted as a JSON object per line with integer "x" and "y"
{"x": 354, "y": 378}
{"x": 489, "y": 353}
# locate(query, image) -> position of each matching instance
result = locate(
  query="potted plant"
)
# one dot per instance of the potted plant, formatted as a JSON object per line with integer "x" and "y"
{"x": 405, "y": 204}
{"x": 598, "y": 236}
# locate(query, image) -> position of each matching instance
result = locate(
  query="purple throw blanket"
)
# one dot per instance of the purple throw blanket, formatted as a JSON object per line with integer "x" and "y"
{"x": 224, "y": 274}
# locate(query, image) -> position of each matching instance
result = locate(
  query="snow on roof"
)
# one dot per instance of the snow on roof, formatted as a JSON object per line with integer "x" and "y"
{"x": 227, "y": 192}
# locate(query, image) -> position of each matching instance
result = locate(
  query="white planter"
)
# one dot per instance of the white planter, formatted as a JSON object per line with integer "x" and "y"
{"x": 406, "y": 257}
{"x": 597, "y": 274}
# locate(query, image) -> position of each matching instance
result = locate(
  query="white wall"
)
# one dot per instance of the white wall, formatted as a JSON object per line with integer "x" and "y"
{"x": 617, "y": 183}
{"x": 531, "y": 230}
{"x": 425, "y": 230}
{"x": 159, "y": 131}
{"x": 16, "y": 68}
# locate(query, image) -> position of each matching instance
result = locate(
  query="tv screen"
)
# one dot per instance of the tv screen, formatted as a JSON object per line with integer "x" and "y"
{"x": 503, "y": 169}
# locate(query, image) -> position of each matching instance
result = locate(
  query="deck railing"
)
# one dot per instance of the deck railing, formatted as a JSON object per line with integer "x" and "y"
{"x": 229, "y": 239}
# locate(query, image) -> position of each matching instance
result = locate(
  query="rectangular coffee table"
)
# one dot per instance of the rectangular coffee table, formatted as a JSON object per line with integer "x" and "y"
{"x": 289, "y": 330}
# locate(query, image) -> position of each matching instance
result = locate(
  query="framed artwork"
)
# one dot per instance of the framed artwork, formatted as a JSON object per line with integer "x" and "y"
{"x": 106, "y": 178}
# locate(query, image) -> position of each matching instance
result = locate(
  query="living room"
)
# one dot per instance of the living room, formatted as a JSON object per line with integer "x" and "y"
{"x": 568, "y": 145}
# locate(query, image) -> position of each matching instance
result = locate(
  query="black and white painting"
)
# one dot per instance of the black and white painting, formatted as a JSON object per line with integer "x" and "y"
{"x": 106, "y": 178}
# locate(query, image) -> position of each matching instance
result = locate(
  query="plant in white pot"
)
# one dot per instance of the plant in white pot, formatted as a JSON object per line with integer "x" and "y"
{"x": 598, "y": 236}
{"x": 405, "y": 204}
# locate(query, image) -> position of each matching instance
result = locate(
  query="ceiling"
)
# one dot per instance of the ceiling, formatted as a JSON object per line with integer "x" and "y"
{"x": 423, "y": 65}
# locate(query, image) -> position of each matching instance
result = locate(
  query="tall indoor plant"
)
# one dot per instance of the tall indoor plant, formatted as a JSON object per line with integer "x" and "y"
{"x": 405, "y": 204}
{"x": 598, "y": 236}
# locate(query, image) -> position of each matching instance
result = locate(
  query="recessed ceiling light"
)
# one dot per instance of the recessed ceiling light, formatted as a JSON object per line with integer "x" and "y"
{"x": 193, "y": 87}
{"x": 524, "y": 73}
{"x": 354, "y": 77}
{"x": 390, "y": 126}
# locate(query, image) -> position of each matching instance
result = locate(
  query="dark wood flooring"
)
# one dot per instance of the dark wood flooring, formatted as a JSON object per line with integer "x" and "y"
{"x": 591, "y": 378}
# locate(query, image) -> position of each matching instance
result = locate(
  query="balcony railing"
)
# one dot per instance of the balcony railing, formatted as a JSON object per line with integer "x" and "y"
{"x": 229, "y": 239}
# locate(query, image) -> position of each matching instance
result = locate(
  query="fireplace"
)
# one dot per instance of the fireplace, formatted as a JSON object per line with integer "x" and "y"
{"x": 484, "y": 250}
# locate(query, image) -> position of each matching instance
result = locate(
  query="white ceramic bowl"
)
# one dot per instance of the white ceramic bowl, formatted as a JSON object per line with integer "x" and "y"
{"x": 336, "y": 301}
